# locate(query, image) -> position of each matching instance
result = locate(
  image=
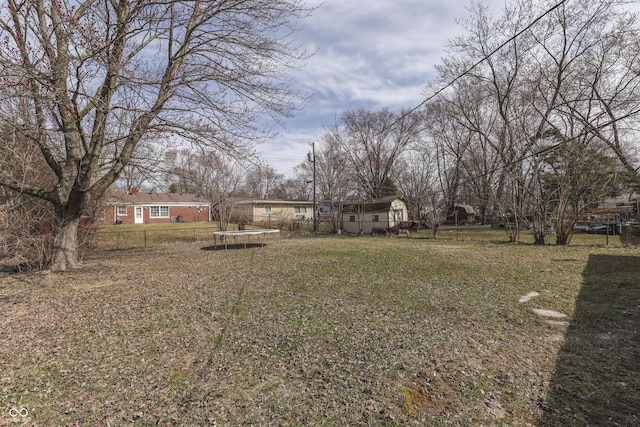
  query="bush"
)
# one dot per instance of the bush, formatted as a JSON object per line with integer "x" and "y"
{"x": 24, "y": 242}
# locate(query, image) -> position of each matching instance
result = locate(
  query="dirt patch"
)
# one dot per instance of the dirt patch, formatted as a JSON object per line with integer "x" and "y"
{"x": 434, "y": 391}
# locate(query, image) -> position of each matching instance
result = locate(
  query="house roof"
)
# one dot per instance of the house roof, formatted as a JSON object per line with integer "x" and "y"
{"x": 382, "y": 204}
{"x": 468, "y": 209}
{"x": 271, "y": 202}
{"x": 156, "y": 198}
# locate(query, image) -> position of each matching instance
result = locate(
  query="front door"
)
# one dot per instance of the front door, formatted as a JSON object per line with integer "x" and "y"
{"x": 138, "y": 217}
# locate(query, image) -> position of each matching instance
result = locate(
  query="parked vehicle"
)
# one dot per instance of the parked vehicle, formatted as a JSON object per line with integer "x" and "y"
{"x": 582, "y": 227}
{"x": 597, "y": 228}
{"x": 611, "y": 229}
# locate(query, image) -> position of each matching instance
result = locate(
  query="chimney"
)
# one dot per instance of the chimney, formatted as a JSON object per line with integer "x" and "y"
{"x": 134, "y": 191}
{"x": 266, "y": 197}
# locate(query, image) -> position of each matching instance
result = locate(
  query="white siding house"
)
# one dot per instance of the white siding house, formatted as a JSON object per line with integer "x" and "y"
{"x": 366, "y": 216}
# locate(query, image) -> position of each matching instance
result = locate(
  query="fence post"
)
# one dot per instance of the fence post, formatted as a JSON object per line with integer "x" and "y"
{"x": 145, "y": 238}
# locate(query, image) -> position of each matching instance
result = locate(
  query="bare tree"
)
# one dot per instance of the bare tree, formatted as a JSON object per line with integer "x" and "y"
{"x": 334, "y": 181}
{"x": 372, "y": 141}
{"x": 214, "y": 176}
{"x": 142, "y": 169}
{"x": 94, "y": 79}
{"x": 465, "y": 129}
{"x": 573, "y": 69}
{"x": 300, "y": 187}
{"x": 450, "y": 144}
{"x": 415, "y": 175}
{"x": 481, "y": 133}
{"x": 297, "y": 188}
{"x": 176, "y": 165}
{"x": 604, "y": 94}
{"x": 262, "y": 181}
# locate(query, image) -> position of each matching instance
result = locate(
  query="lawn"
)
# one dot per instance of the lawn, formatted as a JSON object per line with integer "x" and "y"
{"x": 326, "y": 331}
{"x": 145, "y": 235}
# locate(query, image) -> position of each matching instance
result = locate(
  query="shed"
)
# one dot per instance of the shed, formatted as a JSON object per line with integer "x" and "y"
{"x": 367, "y": 216}
{"x": 461, "y": 214}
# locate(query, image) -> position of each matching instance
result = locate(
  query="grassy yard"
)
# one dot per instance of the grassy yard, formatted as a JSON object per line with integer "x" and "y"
{"x": 145, "y": 235}
{"x": 327, "y": 331}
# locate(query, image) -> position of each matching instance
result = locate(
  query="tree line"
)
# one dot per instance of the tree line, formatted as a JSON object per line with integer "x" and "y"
{"x": 531, "y": 131}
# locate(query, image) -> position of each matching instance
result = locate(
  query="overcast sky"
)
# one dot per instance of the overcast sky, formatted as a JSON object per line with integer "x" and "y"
{"x": 370, "y": 54}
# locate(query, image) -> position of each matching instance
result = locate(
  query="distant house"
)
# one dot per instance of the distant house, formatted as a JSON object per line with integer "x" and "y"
{"x": 137, "y": 207}
{"x": 461, "y": 214}
{"x": 366, "y": 216}
{"x": 266, "y": 211}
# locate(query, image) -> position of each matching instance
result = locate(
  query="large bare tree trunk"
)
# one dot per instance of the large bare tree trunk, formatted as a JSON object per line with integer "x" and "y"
{"x": 65, "y": 247}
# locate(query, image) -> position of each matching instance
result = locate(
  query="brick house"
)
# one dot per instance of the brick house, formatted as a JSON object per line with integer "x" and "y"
{"x": 138, "y": 207}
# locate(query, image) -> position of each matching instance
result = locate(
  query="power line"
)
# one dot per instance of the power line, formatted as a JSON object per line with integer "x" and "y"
{"x": 473, "y": 67}
{"x": 467, "y": 71}
{"x": 480, "y": 61}
{"x": 526, "y": 156}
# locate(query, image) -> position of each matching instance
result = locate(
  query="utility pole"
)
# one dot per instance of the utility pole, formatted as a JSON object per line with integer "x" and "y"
{"x": 312, "y": 158}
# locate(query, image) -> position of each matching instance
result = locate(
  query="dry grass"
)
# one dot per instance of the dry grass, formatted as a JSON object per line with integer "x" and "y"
{"x": 324, "y": 331}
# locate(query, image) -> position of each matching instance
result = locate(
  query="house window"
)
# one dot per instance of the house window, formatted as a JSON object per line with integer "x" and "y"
{"x": 376, "y": 218}
{"x": 267, "y": 209}
{"x": 300, "y": 209}
{"x": 122, "y": 211}
{"x": 352, "y": 218}
{"x": 159, "y": 211}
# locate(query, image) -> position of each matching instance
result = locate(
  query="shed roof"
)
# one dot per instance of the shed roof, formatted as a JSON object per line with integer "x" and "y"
{"x": 382, "y": 204}
{"x": 468, "y": 209}
{"x": 271, "y": 202}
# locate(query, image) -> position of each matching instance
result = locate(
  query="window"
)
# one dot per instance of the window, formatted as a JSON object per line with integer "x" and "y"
{"x": 300, "y": 209}
{"x": 267, "y": 209}
{"x": 376, "y": 218}
{"x": 352, "y": 218}
{"x": 159, "y": 211}
{"x": 122, "y": 211}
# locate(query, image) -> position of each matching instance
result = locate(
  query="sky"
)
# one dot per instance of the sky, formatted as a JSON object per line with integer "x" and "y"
{"x": 367, "y": 54}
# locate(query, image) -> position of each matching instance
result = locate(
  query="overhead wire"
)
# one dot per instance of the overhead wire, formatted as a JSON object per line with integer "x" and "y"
{"x": 479, "y": 62}
{"x": 473, "y": 67}
{"x": 476, "y": 64}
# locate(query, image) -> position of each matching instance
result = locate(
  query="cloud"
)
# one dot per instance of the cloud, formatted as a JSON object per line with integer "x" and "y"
{"x": 370, "y": 54}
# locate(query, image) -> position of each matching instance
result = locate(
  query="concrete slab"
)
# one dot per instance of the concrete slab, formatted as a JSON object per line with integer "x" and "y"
{"x": 549, "y": 313}
{"x": 528, "y": 297}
